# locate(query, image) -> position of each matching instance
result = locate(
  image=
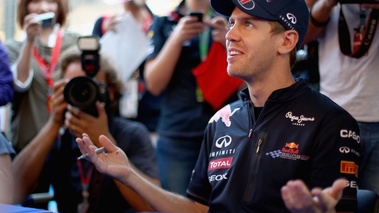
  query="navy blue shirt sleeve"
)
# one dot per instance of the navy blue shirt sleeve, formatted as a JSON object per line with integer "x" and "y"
{"x": 6, "y": 78}
{"x": 160, "y": 31}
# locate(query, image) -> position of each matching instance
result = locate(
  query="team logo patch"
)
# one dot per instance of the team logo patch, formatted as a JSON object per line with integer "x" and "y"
{"x": 290, "y": 151}
{"x": 247, "y": 4}
{"x": 291, "y": 148}
{"x": 223, "y": 141}
{"x": 292, "y": 18}
{"x": 222, "y": 163}
{"x": 298, "y": 120}
{"x": 224, "y": 114}
{"x": 349, "y": 167}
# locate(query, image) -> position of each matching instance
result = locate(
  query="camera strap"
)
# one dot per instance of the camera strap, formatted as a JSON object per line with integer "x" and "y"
{"x": 363, "y": 36}
{"x": 48, "y": 68}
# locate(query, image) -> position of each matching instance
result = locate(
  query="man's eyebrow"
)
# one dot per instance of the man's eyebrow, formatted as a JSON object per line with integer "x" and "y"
{"x": 247, "y": 18}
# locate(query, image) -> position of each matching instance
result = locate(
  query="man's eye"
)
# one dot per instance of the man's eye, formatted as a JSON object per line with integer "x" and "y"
{"x": 249, "y": 25}
{"x": 231, "y": 24}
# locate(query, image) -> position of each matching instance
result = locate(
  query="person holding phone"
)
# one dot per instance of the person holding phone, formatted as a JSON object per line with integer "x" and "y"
{"x": 182, "y": 43}
{"x": 146, "y": 107}
{"x": 33, "y": 63}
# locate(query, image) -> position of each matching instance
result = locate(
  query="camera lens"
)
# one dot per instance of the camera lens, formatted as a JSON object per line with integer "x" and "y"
{"x": 81, "y": 92}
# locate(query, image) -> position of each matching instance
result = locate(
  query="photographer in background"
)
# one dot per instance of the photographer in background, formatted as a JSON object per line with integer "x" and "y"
{"x": 33, "y": 62}
{"x": 148, "y": 106}
{"x": 348, "y": 64}
{"x": 181, "y": 66}
{"x": 52, "y": 155}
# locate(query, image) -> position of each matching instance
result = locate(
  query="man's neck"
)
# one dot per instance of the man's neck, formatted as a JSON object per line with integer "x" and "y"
{"x": 260, "y": 91}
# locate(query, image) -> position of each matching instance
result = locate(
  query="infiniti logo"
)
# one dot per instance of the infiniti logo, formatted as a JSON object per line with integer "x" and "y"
{"x": 292, "y": 18}
{"x": 223, "y": 141}
{"x": 344, "y": 149}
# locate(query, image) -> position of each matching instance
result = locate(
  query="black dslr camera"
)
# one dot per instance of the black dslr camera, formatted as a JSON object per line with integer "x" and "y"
{"x": 83, "y": 92}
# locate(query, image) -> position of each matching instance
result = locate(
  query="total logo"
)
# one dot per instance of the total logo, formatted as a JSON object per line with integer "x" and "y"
{"x": 217, "y": 178}
{"x": 222, "y": 163}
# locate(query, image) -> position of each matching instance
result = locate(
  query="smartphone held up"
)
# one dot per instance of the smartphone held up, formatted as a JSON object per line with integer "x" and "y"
{"x": 198, "y": 14}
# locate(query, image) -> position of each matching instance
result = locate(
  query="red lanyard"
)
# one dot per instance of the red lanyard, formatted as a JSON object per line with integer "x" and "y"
{"x": 85, "y": 179}
{"x": 48, "y": 68}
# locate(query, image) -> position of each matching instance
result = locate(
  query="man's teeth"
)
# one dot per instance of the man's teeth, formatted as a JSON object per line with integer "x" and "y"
{"x": 234, "y": 53}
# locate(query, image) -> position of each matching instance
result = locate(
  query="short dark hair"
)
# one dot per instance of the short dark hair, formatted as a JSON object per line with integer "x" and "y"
{"x": 22, "y": 11}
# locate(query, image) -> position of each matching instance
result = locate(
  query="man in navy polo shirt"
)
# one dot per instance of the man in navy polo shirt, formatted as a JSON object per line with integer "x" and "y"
{"x": 281, "y": 131}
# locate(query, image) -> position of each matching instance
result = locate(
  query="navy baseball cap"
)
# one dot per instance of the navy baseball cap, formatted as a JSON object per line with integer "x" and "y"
{"x": 292, "y": 14}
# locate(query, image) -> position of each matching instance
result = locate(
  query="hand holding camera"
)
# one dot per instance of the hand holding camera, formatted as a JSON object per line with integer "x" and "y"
{"x": 84, "y": 91}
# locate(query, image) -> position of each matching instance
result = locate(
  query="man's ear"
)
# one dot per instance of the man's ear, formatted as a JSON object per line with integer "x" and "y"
{"x": 290, "y": 39}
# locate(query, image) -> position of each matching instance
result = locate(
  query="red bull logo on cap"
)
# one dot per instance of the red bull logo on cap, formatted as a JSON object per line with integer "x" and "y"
{"x": 247, "y": 4}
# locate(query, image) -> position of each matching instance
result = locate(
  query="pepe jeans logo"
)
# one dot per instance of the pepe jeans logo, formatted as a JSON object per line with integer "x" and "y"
{"x": 298, "y": 120}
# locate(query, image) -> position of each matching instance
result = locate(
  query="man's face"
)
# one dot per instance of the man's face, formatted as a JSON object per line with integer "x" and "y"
{"x": 251, "y": 47}
{"x": 74, "y": 69}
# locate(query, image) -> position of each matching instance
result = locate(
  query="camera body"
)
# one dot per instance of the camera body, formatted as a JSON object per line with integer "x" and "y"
{"x": 358, "y": 2}
{"x": 84, "y": 91}
{"x": 46, "y": 19}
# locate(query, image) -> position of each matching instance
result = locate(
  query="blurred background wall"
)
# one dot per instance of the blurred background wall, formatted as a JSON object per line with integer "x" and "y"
{"x": 83, "y": 14}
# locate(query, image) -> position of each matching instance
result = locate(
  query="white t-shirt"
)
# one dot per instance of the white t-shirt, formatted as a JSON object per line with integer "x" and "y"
{"x": 352, "y": 83}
